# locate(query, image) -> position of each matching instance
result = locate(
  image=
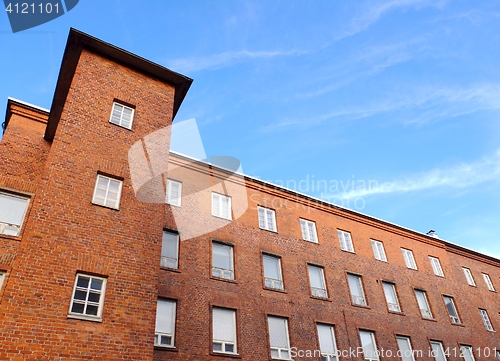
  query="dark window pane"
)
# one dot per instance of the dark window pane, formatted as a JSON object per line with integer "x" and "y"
{"x": 91, "y": 310}
{"x": 82, "y": 282}
{"x": 77, "y": 308}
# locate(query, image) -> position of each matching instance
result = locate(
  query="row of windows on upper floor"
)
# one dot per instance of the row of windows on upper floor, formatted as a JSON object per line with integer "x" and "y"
{"x": 87, "y": 303}
{"x": 225, "y": 339}
{"x": 223, "y": 268}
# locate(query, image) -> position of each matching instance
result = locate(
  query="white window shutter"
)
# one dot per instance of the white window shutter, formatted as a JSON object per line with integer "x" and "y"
{"x": 216, "y": 204}
{"x": 262, "y": 220}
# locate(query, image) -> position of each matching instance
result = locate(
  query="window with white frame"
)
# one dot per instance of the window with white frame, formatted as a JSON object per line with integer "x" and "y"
{"x": 452, "y": 310}
{"x": 170, "y": 250}
{"x": 2, "y": 277}
{"x": 437, "y": 351}
{"x": 405, "y": 349}
{"x": 356, "y": 288}
{"x": 221, "y": 206}
{"x": 498, "y": 355}
{"x": 308, "y": 229}
{"x": 12, "y": 212}
{"x": 222, "y": 261}
{"x": 391, "y": 297}
{"x": 165, "y": 323}
{"x": 224, "y": 330}
{"x": 466, "y": 353}
{"x": 278, "y": 337}
{"x": 317, "y": 280}
{"x": 488, "y": 282}
{"x": 378, "y": 250}
{"x": 122, "y": 115}
{"x": 423, "y": 304}
{"x": 345, "y": 241}
{"x": 409, "y": 260}
{"x": 267, "y": 219}
{"x": 468, "y": 277}
{"x": 272, "y": 272}
{"x": 327, "y": 344}
{"x": 174, "y": 192}
{"x": 107, "y": 192}
{"x": 88, "y": 297}
{"x": 486, "y": 320}
{"x": 369, "y": 345}
{"x": 436, "y": 266}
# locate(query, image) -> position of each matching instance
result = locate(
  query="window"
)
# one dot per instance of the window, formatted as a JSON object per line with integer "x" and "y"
{"x": 498, "y": 355}
{"x": 88, "y": 297}
{"x": 327, "y": 344}
{"x": 107, "y": 192}
{"x": 278, "y": 337}
{"x": 222, "y": 261}
{"x": 468, "y": 276}
{"x": 221, "y": 206}
{"x": 272, "y": 272}
{"x": 345, "y": 241}
{"x": 369, "y": 346}
{"x": 174, "y": 192}
{"x": 425, "y": 310}
{"x": 317, "y": 279}
{"x": 405, "y": 349}
{"x": 488, "y": 282}
{"x": 12, "y": 211}
{"x": 224, "y": 330}
{"x": 2, "y": 276}
{"x": 409, "y": 260}
{"x": 308, "y": 229}
{"x": 122, "y": 115}
{"x": 466, "y": 353}
{"x": 165, "y": 323}
{"x": 486, "y": 320}
{"x": 170, "y": 250}
{"x": 437, "y": 351}
{"x": 356, "y": 288}
{"x": 391, "y": 297}
{"x": 267, "y": 219}
{"x": 452, "y": 311}
{"x": 378, "y": 250}
{"x": 436, "y": 266}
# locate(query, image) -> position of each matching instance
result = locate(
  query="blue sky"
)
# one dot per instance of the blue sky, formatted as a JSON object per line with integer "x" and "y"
{"x": 401, "y": 95}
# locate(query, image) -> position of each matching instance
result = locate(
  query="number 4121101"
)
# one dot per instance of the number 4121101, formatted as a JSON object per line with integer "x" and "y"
{"x": 26, "y": 8}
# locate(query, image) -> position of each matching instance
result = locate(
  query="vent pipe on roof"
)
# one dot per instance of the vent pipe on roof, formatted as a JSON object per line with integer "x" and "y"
{"x": 432, "y": 233}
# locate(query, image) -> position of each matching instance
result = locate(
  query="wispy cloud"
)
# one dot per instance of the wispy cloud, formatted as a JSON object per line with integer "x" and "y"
{"x": 461, "y": 176}
{"x": 193, "y": 64}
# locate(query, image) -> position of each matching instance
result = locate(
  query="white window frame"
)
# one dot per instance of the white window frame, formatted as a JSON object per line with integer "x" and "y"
{"x": 358, "y": 300}
{"x": 327, "y": 355}
{"x": 345, "y": 240}
{"x": 409, "y": 259}
{"x": 469, "y": 277}
{"x": 224, "y": 343}
{"x": 425, "y": 312}
{"x": 378, "y": 250}
{"x": 488, "y": 282}
{"x": 454, "y": 318}
{"x": 391, "y": 287}
{"x": 120, "y": 121}
{"x": 86, "y": 302}
{"x": 404, "y": 356}
{"x": 267, "y": 219}
{"x": 320, "y": 292}
{"x": 271, "y": 283}
{"x": 283, "y": 352}
{"x": 217, "y": 210}
{"x": 2, "y": 278}
{"x": 118, "y": 195}
{"x": 436, "y": 266}
{"x": 371, "y": 334}
{"x": 219, "y": 272}
{"x": 173, "y": 201}
{"x": 464, "y": 349}
{"x": 160, "y": 334}
{"x": 4, "y": 226}
{"x": 308, "y": 229}
{"x": 486, "y": 320}
{"x": 440, "y": 350}
{"x": 167, "y": 261}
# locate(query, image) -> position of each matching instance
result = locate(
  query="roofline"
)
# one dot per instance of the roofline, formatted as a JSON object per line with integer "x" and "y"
{"x": 77, "y": 41}
{"x": 333, "y": 205}
{"x": 8, "y": 112}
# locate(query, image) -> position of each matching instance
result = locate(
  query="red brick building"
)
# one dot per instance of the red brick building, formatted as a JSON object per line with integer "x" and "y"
{"x": 112, "y": 248}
